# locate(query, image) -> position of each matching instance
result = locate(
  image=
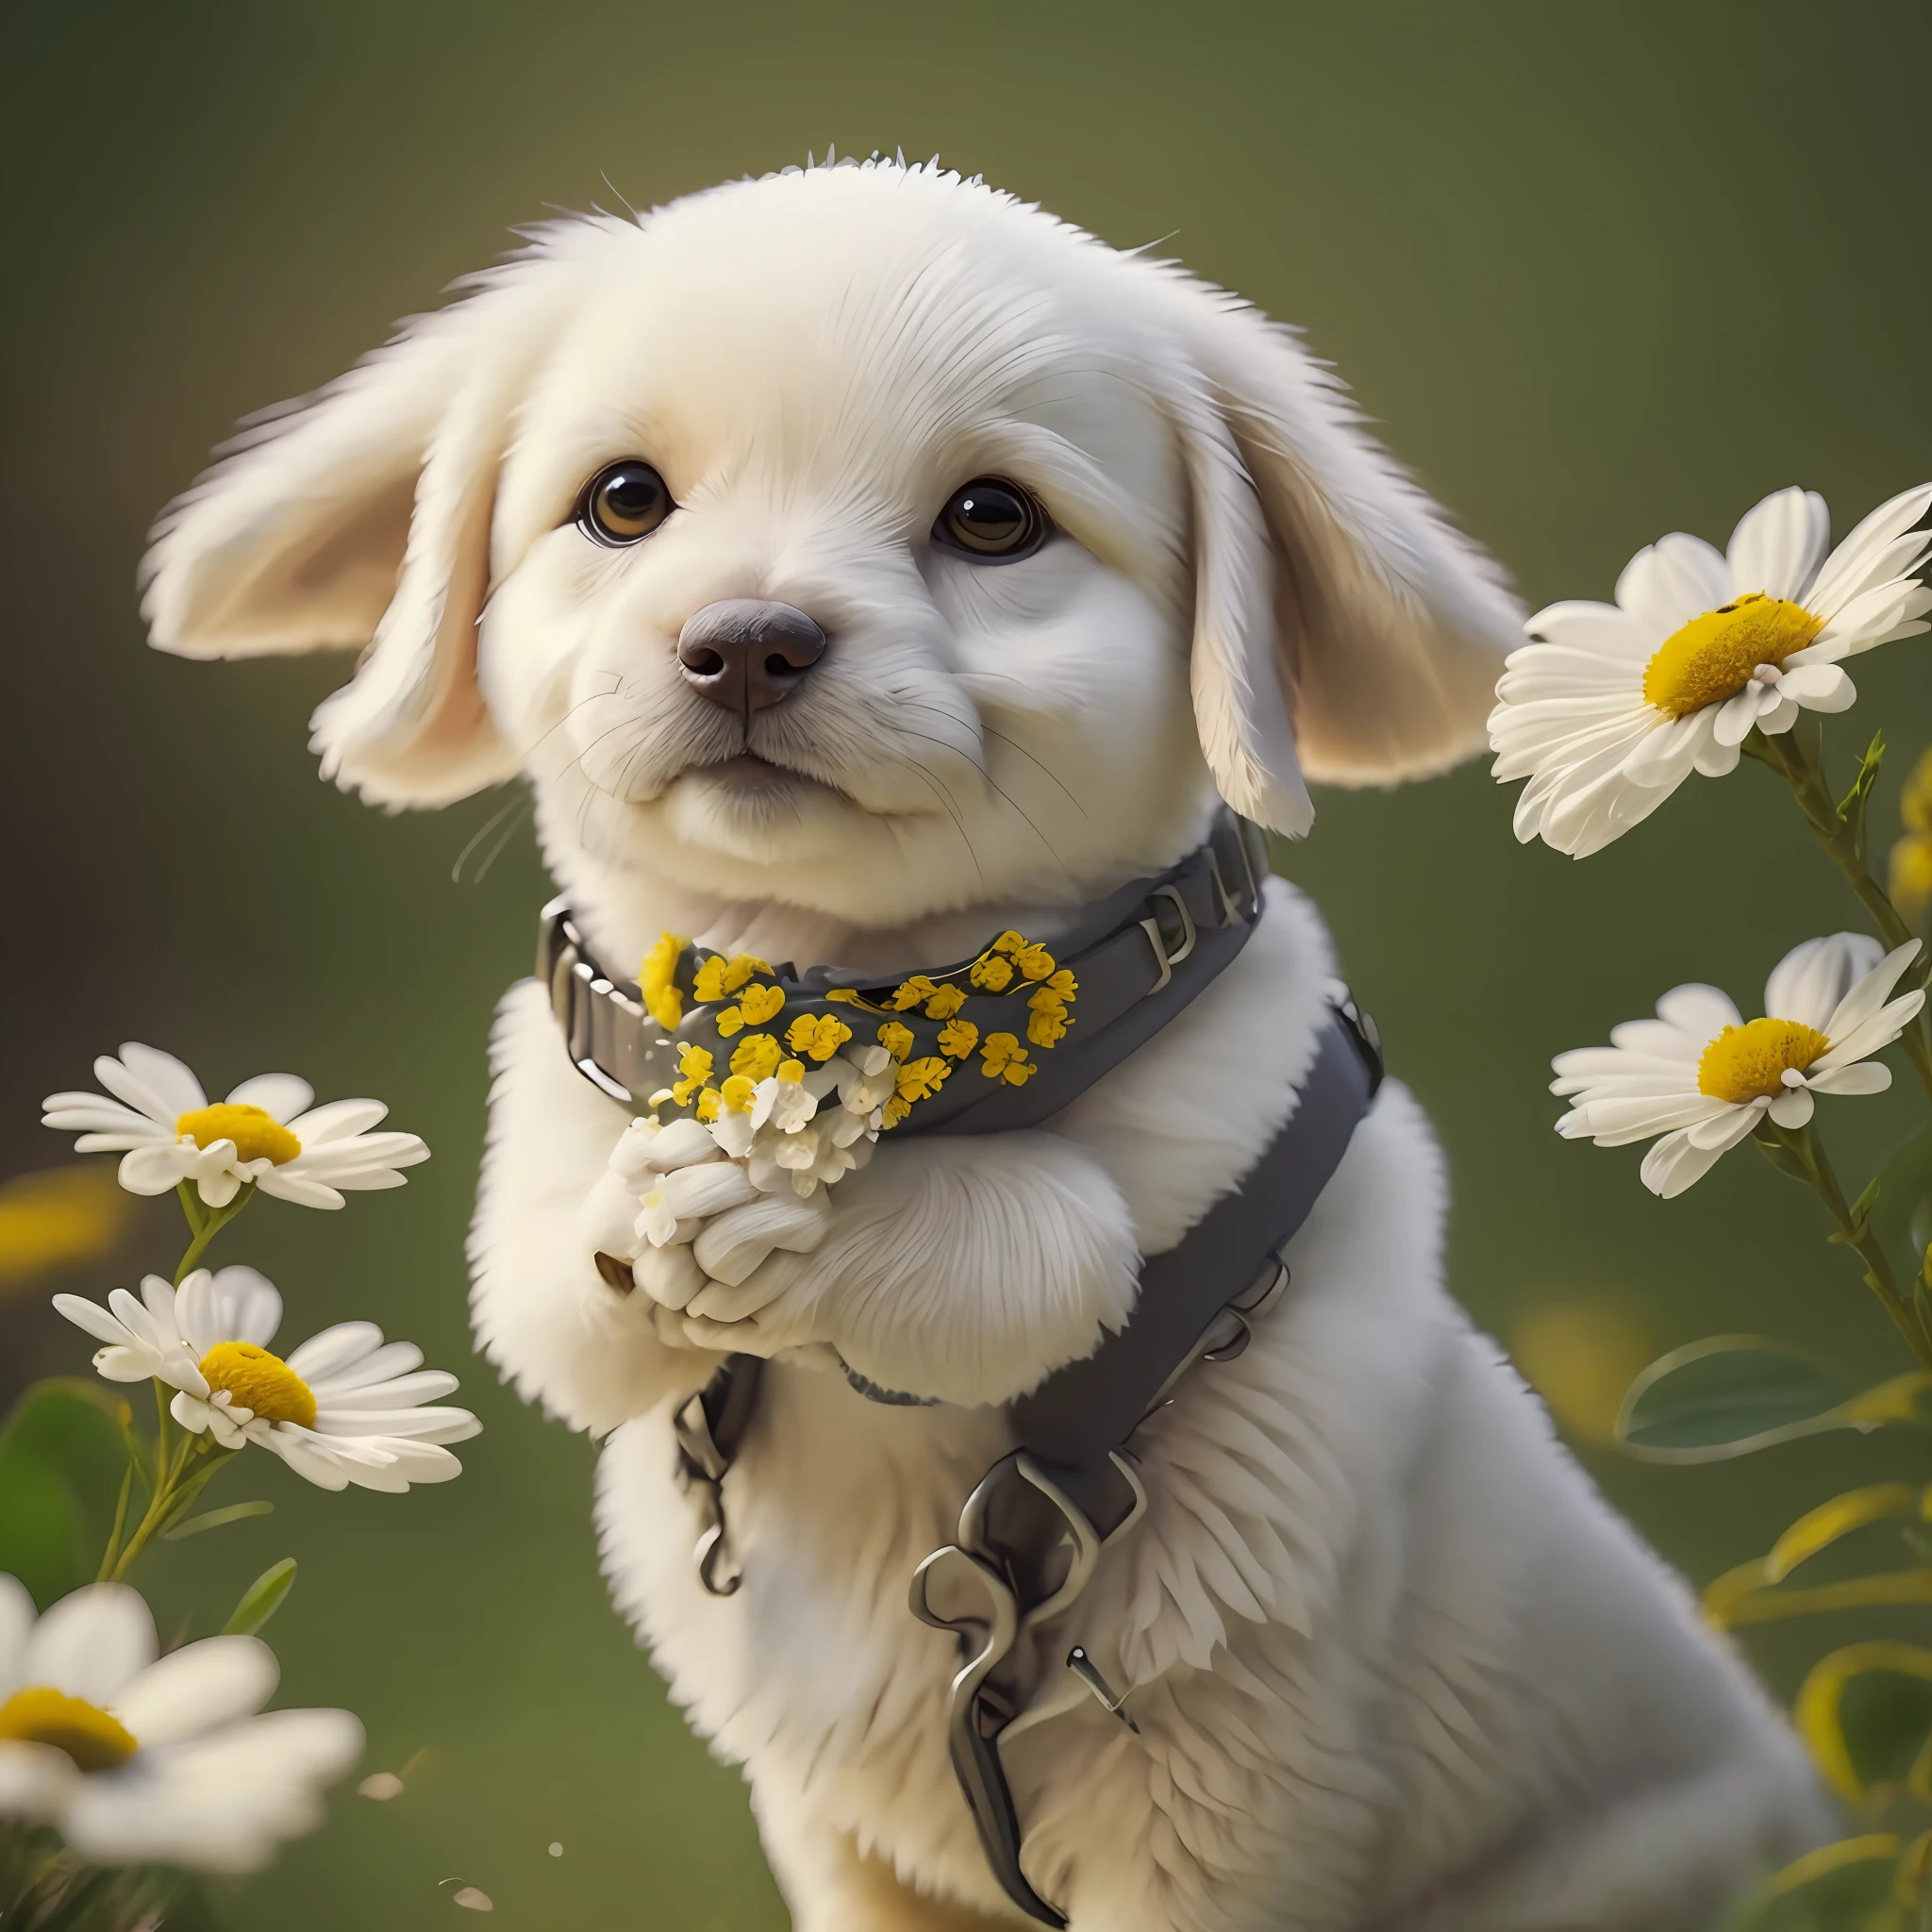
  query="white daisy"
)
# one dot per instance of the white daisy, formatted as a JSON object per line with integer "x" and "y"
{"x": 1611, "y": 706}
{"x": 1703, "y": 1078}
{"x": 265, "y": 1132}
{"x": 137, "y": 1761}
{"x": 345, "y": 1408}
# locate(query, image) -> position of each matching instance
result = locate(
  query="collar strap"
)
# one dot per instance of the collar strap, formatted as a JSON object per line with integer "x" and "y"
{"x": 1004, "y": 1039}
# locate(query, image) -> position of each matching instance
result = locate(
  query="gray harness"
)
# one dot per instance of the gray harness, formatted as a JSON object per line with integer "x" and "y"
{"x": 1032, "y": 1532}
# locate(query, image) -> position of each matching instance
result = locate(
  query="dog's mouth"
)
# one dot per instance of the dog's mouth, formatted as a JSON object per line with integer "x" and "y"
{"x": 748, "y": 777}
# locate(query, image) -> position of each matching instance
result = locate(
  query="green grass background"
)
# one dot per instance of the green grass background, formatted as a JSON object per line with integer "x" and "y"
{"x": 1600, "y": 272}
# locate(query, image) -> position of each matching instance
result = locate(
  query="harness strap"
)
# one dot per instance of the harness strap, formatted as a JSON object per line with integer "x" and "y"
{"x": 1074, "y": 1420}
{"x": 1035, "y": 1527}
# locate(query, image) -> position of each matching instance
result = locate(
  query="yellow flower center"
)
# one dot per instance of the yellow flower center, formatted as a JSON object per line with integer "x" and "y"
{"x": 258, "y": 1136}
{"x": 1713, "y": 656}
{"x": 261, "y": 1381}
{"x": 1749, "y": 1062}
{"x": 94, "y": 1739}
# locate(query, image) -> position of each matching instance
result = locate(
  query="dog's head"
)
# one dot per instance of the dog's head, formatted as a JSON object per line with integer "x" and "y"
{"x": 857, "y": 539}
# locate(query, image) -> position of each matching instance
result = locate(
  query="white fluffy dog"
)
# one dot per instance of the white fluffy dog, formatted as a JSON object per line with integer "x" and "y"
{"x": 1393, "y": 1663}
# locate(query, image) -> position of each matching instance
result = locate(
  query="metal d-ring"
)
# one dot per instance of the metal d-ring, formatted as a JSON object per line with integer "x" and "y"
{"x": 1166, "y": 960}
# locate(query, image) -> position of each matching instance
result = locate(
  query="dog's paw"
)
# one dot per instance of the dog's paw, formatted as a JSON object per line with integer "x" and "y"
{"x": 675, "y": 1215}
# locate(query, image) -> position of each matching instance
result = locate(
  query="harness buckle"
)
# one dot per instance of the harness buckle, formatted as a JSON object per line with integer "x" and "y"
{"x": 981, "y": 1704}
{"x": 708, "y": 1426}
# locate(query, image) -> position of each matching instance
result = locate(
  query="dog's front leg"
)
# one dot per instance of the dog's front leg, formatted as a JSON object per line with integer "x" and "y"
{"x": 962, "y": 1268}
{"x": 590, "y": 1348}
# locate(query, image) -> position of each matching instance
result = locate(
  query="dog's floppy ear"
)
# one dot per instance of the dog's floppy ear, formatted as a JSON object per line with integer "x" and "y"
{"x": 361, "y": 517}
{"x": 1343, "y": 629}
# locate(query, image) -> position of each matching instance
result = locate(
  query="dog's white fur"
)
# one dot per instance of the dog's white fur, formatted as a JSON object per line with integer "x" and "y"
{"x": 1394, "y": 1664}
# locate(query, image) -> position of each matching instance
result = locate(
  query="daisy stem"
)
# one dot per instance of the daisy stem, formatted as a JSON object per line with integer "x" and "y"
{"x": 175, "y": 1490}
{"x": 205, "y": 1223}
{"x": 1787, "y": 755}
{"x": 1799, "y": 1151}
{"x": 113, "y": 1548}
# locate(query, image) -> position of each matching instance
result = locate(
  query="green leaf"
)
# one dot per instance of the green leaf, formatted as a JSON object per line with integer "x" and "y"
{"x": 216, "y": 1519}
{"x": 1852, "y": 806}
{"x": 1818, "y": 1529}
{"x": 261, "y": 1599}
{"x": 1839, "y": 1885}
{"x": 62, "y": 1455}
{"x": 1902, "y": 1219}
{"x": 1854, "y": 1740}
{"x": 1745, "y": 1596}
{"x": 1729, "y": 1395}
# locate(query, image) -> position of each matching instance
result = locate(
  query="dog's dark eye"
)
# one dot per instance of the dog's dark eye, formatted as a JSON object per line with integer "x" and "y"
{"x": 624, "y": 502}
{"x": 991, "y": 518}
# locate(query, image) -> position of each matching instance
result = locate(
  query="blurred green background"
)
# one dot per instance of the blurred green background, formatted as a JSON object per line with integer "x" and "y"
{"x": 1601, "y": 271}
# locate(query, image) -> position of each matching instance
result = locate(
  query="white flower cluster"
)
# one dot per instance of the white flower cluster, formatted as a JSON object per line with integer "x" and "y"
{"x": 752, "y": 1179}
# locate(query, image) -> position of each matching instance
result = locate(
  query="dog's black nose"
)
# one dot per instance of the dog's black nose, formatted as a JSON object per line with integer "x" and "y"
{"x": 745, "y": 653}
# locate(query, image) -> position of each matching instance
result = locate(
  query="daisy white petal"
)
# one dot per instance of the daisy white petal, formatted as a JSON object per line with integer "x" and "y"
{"x": 392, "y": 1358}
{"x": 403, "y": 1392}
{"x": 1868, "y": 1076}
{"x": 35, "y": 1780}
{"x": 1675, "y": 1163}
{"x": 1793, "y": 1108}
{"x": 1777, "y": 546}
{"x": 1698, "y": 1008}
{"x": 1866, "y": 979}
{"x": 1716, "y": 760}
{"x": 1672, "y": 581}
{"x": 1877, "y": 616}
{"x": 299, "y": 1189}
{"x": 1812, "y": 980}
{"x": 196, "y": 1687}
{"x": 16, "y": 1624}
{"x": 281, "y": 1096}
{"x": 89, "y": 1113}
{"x": 333, "y": 1349}
{"x": 1819, "y": 688}
{"x": 151, "y": 1171}
{"x": 1719, "y": 1132}
{"x": 92, "y": 1643}
{"x": 97, "y": 1322}
{"x": 158, "y": 1076}
{"x": 1871, "y": 1036}
{"x": 1849, "y": 570}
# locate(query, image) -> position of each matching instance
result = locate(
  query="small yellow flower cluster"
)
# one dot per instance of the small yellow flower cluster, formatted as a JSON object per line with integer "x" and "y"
{"x": 918, "y": 1080}
{"x": 694, "y": 1063}
{"x": 756, "y": 1005}
{"x": 1910, "y": 880}
{"x": 657, "y": 981}
{"x": 1004, "y": 1058}
{"x": 1048, "y": 1004}
{"x": 819, "y": 1037}
{"x": 719, "y": 977}
{"x": 756, "y": 1056}
{"x": 1011, "y": 962}
{"x": 1007, "y": 954}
